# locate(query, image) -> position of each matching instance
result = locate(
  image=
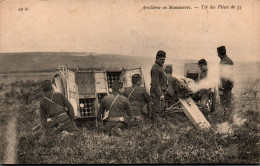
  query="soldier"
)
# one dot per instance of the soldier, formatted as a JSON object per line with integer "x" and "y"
{"x": 171, "y": 93}
{"x": 56, "y": 111}
{"x": 158, "y": 84}
{"x": 226, "y": 78}
{"x": 138, "y": 97}
{"x": 202, "y": 95}
{"x": 114, "y": 111}
{"x": 203, "y": 65}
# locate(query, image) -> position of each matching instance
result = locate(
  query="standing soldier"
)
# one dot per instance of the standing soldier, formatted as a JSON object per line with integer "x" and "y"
{"x": 226, "y": 78}
{"x": 56, "y": 111}
{"x": 138, "y": 97}
{"x": 158, "y": 84}
{"x": 114, "y": 111}
{"x": 170, "y": 94}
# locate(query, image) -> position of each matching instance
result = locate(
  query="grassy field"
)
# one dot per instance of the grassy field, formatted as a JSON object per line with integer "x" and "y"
{"x": 169, "y": 140}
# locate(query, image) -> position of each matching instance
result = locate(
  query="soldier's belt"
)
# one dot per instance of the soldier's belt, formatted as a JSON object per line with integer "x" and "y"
{"x": 60, "y": 118}
{"x": 64, "y": 113}
{"x": 116, "y": 119}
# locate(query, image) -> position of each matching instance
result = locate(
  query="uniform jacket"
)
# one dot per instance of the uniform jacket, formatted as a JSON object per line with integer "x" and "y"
{"x": 227, "y": 84}
{"x": 158, "y": 80}
{"x": 49, "y": 110}
{"x": 139, "y": 97}
{"x": 203, "y": 74}
{"x": 119, "y": 109}
{"x": 226, "y": 61}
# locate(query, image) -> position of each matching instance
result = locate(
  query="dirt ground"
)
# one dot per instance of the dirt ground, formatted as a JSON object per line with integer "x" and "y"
{"x": 11, "y": 140}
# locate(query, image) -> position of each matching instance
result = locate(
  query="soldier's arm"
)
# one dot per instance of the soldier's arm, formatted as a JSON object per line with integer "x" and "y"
{"x": 174, "y": 82}
{"x": 128, "y": 109}
{"x": 69, "y": 106}
{"x": 146, "y": 96}
{"x": 101, "y": 110}
{"x": 155, "y": 82}
{"x": 124, "y": 93}
{"x": 171, "y": 86}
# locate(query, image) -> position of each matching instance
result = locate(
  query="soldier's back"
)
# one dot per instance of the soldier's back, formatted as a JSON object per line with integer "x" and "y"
{"x": 226, "y": 61}
{"x": 53, "y": 103}
{"x": 139, "y": 94}
{"x": 119, "y": 106}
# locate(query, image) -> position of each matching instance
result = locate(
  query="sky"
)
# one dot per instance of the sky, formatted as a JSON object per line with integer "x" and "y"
{"x": 122, "y": 27}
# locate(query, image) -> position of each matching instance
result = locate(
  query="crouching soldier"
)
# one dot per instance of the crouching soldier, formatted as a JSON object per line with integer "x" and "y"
{"x": 56, "y": 111}
{"x": 114, "y": 112}
{"x": 170, "y": 95}
{"x": 202, "y": 95}
{"x": 139, "y": 99}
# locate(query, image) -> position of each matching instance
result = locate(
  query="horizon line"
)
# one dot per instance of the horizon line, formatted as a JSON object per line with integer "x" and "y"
{"x": 100, "y": 54}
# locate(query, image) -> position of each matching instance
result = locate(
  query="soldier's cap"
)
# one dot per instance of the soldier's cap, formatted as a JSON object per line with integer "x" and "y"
{"x": 136, "y": 77}
{"x": 222, "y": 49}
{"x": 46, "y": 85}
{"x": 116, "y": 86}
{"x": 168, "y": 69}
{"x": 160, "y": 54}
{"x": 202, "y": 62}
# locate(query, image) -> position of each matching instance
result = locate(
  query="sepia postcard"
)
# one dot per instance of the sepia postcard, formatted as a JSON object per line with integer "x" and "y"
{"x": 129, "y": 82}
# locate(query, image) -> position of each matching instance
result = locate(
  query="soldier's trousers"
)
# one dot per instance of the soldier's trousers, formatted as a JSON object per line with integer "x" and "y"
{"x": 157, "y": 105}
{"x": 136, "y": 121}
{"x": 67, "y": 125}
{"x": 70, "y": 126}
{"x": 225, "y": 100}
{"x": 203, "y": 102}
{"x": 111, "y": 128}
{"x": 170, "y": 99}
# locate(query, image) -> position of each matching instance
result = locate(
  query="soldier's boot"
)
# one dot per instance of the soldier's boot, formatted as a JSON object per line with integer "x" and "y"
{"x": 206, "y": 112}
{"x": 155, "y": 107}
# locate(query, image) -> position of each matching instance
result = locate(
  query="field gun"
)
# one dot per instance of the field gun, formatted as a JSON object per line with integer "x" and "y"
{"x": 185, "y": 103}
{"x": 85, "y": 88}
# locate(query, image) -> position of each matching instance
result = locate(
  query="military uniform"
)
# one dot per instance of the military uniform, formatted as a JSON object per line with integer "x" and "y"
{"x": 53, "y": 106}
{"x": 202, "y": 95}
{"x": 158, "y": 88}
{"x": 120, "y": 108}
{"x": 138, "y": 99}
{"x": 203, "y": 74}
{"x": 226, "y": 61}
{"x": 227, "y": 84}
{"x": 170, "y": 94}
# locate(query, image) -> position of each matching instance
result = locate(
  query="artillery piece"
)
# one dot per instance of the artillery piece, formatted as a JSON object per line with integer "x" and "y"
{"x": 184, "y": 102}
{"x": 85, "y": 88}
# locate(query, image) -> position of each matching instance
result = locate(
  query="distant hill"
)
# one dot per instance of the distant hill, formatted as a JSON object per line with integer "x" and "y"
{"x": 39, "y": 61}
{"x": 48, "y": 61}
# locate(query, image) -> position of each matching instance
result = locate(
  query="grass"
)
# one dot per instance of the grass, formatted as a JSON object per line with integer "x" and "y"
{"x": 169, "y": 140}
